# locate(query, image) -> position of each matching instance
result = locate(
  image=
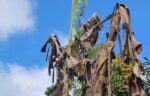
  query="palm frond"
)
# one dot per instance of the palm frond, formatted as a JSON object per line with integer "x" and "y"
{"x": 78, "y": 7}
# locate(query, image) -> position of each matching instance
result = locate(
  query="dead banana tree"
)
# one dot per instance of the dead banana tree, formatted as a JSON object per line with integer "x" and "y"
{"x": 95, "y": 75}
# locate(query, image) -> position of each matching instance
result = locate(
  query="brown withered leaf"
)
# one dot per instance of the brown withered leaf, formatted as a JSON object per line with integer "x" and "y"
{"x": 56, "y": 53}
{"x": 89, "y": 32}
{"x": 56, "y": 58}
{"x": 72, "y": 61}
{"x": 95, "y": 76}
{"x": 124, "y": 14}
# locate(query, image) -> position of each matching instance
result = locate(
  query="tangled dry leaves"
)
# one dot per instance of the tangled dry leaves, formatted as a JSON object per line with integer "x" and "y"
{"x": 95, "y": 75}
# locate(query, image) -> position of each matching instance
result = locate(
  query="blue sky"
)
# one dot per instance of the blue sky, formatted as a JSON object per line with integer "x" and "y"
{"x": 30, "y": 22}
{"x": 54, "y": 17}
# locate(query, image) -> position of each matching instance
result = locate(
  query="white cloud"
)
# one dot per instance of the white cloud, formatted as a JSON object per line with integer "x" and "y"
{"x": 16, "y": 16}
{"x": 16, "y": 80}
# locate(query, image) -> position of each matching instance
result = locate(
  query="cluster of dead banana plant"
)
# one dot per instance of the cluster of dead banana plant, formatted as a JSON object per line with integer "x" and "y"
{"x": 95, "y": 75}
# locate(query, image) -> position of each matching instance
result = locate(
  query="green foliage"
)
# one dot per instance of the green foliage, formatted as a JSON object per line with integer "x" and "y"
{"x": 91, "y": 53}
{"x": 120, "y": 75}
{"x": 146, "y": 65}
{"x": 75, "y": 87}
{"x": 78, "y": 7}
{"x": 48, "y": 91}
{"x": 117, "y": 80}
